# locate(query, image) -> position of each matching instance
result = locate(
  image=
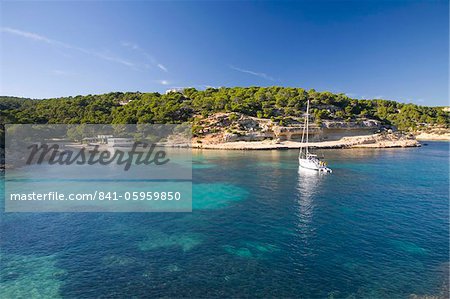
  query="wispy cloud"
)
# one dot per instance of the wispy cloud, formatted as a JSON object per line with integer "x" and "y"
{"x": 163, "y": 82}
{"x": 56, "y": 43}
{"x": 130, "y": 45}
{"x": 33, "y": 36}
{"x": 149, "y": 57}
{"x": 258, "y": 74}
{"x": 114, "y": 59}
{"x": 61, "y": 73}
{"x": 162, "y": 67}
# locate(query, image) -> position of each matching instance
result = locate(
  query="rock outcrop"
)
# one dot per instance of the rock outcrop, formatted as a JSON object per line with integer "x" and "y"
{"x": 437, "y": 133}
{"x": 232, "y": 127}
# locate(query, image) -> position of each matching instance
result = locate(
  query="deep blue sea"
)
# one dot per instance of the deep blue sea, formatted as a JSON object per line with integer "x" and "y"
{"x": 377, "y": 227}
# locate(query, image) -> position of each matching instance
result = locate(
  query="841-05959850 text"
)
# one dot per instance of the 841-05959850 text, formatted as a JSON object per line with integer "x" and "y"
{"x": 99, "y": 195}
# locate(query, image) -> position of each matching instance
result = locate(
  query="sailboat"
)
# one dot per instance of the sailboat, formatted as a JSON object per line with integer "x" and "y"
{"x": 307, "y": 159}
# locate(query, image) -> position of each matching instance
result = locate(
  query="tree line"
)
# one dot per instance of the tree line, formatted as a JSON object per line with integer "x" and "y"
{"x": 277, "y": 103}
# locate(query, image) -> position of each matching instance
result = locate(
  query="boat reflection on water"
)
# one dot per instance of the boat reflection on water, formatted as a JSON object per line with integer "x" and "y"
{"x": 308, "y": 185}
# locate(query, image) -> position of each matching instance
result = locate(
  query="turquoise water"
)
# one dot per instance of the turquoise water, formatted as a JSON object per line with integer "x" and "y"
{"x": 377, "y": 227}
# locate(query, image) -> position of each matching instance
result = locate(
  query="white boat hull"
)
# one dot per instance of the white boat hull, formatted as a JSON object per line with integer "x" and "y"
{"x": 310, "y": 164}
{"x": 306, "y": 163}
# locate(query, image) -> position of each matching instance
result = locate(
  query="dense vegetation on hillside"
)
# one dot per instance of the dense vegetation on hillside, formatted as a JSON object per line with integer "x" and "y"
{"x": 278, "y": 103}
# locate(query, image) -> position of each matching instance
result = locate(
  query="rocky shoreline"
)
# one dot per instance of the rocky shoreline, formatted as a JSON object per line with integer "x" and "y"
{"x": 235, "y": 131}
{"x": 382, "y": 140}
{"x": 436, "y": 135}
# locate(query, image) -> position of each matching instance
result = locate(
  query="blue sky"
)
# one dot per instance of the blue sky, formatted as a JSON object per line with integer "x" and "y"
{"x": 367, "y": 49}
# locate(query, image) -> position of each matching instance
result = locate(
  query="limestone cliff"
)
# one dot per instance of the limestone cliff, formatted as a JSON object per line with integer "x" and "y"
{"x": 232, "y": 127}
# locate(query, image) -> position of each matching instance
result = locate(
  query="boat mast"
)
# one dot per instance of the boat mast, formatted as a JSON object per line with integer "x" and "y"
{"x": 305, "y": 129}
{"x": 307, "y": 126}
